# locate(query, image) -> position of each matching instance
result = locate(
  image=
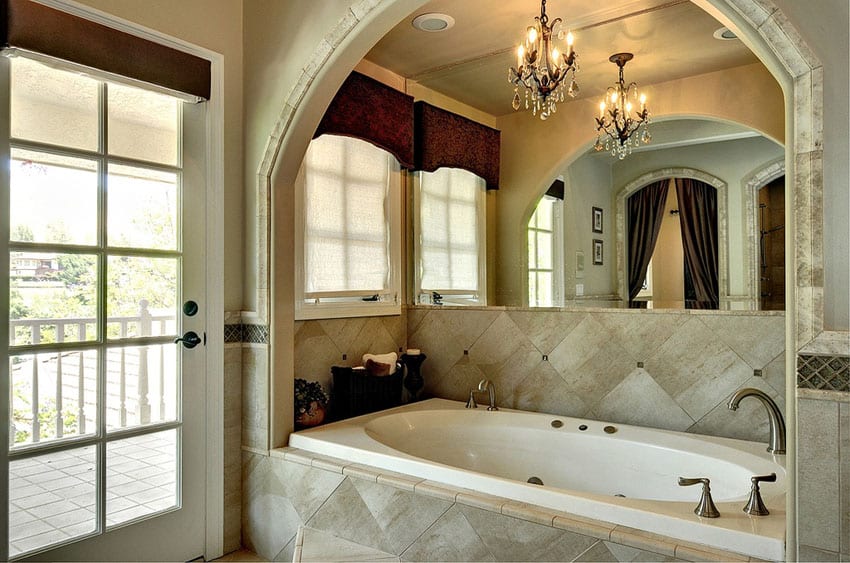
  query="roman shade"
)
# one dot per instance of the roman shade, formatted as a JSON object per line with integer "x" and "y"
{"x": 556, "y": 190}
{"x": 445, "y": 139}
{"x": 37, "y": 28}
{"x": 366, "y": 109}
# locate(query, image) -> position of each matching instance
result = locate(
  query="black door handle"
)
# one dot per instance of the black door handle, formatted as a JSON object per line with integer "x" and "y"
{"x": 189, "y": 340}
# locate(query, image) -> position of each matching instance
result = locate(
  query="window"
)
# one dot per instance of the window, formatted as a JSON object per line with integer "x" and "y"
{"x": 348, "y": 246}
{"x": 545, "y": 254}
{"x": 450, "y": 249}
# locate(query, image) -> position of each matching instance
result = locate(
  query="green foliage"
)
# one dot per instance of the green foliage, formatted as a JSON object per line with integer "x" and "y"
{"x": 22, "y": 233}
{"x": 306, "y": 392}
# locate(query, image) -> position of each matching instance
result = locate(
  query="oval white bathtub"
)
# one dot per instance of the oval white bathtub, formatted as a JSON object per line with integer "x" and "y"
{"x": 627, "y": 477}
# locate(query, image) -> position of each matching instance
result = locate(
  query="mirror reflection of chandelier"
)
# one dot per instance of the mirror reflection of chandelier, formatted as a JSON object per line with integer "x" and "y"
{"x": 619, "y": 117}
{"x": 542, "y": 68}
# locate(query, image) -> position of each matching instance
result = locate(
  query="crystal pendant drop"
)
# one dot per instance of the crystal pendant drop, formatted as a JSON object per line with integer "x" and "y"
{"x": 574, "y": 89}
{"x": 598, "y": 145}
{"x": 516, "y": 102}
{"x": 645, "y": 136}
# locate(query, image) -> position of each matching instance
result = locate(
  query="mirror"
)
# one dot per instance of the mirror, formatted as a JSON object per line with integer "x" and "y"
{"x": 718, "y": 118}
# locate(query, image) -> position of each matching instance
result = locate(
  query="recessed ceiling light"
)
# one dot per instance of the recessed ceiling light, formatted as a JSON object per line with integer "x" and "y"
{"x": 725, "y": 34}
{"x": 433, "y": 22}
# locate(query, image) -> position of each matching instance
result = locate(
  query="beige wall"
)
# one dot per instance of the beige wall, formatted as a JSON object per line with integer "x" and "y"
{"x": 215, "y": 25}
{"x": 668, "y": 275}
{"x": 530, "y": 158}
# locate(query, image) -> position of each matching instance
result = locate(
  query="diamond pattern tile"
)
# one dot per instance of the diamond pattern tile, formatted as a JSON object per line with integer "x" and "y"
{"x": 830, "y": 373}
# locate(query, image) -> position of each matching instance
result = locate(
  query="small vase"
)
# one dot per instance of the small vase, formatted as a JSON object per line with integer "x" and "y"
{"x": 313, "y": 416}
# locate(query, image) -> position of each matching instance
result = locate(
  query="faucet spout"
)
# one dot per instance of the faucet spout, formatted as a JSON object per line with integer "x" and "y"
{"x": 776, "y": 444}
{"x": 484, "y": 386}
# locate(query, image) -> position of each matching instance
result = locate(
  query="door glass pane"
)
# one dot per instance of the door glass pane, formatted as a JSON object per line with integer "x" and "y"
{"x": 141, "y": 385}
{"x": 54, "y": 396}
{"x": 140, "y": 476}
{"x": 53, "y": 297}
{"x": 143, "y": 125}
{"x": 53, "y": 198}
{"x": 141, "y": 294}
{"x": 53, "y": 106}
{"x": 142, "y": 208}
{"x": 51, "y": 499}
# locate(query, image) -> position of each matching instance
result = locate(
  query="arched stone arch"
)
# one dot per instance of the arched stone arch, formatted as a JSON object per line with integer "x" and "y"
{"x": 760, "y": 24}
{"x": 752, "y": 183}
{"x": 722, "y": 222}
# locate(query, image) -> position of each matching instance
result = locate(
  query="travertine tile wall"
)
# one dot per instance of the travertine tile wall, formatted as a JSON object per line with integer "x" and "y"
{"x": 823, "y": 448}
{"x": 665, "y": 369}
{"x": 342, "y": 342}
{"x": 389, "y": 516}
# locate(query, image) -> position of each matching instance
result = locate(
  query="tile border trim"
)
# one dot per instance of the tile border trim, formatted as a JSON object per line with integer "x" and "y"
{"x": 246, "y": 333}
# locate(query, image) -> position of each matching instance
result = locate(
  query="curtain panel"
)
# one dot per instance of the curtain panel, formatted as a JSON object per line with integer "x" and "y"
{"x": 645, "y": 212}
{"x": 445, "y": 139}
{"x": 37, "y": 28}
{"x": 366, "y": 109}
{"x": 698, "y": 218}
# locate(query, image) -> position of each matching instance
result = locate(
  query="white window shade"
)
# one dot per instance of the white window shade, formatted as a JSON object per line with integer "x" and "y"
{"x": 451, "y": 232}
{"x": 346, "y": 238}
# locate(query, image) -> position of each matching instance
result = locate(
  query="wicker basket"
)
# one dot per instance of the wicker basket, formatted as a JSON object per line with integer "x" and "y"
{"x": 355, "y": 392}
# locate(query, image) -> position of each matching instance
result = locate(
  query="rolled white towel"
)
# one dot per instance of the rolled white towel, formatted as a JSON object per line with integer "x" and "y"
{"x": 389, "y": 358}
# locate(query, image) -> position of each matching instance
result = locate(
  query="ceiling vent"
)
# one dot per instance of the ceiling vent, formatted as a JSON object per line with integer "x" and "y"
{"x": 433, "y": 22}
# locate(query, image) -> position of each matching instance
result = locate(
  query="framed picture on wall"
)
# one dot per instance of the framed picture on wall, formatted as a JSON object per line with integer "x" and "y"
{"x": 597, "y": 252}
{"x": 596, "y": 221}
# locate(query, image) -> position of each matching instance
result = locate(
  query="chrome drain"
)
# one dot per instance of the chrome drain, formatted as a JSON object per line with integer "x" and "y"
{"x": 535, "y": 480}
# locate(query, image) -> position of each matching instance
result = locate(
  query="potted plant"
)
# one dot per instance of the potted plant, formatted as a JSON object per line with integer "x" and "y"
{"x": 310, "y": 403}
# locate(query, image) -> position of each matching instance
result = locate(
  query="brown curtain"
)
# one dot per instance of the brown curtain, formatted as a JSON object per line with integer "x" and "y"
{"x": 646, "y": 210}
{"x": 41, "y": 29}
{"x": 366, "y": 109}
{"x": 445, "y": 139}
{"x": 698, "y": 217}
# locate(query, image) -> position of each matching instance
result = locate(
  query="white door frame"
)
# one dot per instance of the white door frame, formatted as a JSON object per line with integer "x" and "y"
{"x": 214, "y": 244}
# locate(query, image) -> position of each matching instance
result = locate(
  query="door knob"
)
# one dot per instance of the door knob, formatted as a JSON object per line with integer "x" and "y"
{"x": 189, "y": 340}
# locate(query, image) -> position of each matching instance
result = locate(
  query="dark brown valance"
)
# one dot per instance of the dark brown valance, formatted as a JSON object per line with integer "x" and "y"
{"x": 556, "y": 190}
{"x": 38, "y": 28}
{"x": 367, "y": 109}
{"x": 445, "y": 139}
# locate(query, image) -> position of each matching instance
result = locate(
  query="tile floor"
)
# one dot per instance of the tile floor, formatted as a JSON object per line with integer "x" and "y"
{"x": 240, "y": 556}
{"x": 53, "y": 496}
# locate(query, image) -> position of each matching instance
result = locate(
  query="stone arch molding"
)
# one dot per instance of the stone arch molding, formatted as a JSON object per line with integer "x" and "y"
{"x": 722, "y": 222}
{"x": 751, "y": 186}
{"x": 759, "y": 22}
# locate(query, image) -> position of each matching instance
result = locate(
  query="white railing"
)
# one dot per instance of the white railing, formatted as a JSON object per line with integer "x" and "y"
{"x": 37, "y": 331}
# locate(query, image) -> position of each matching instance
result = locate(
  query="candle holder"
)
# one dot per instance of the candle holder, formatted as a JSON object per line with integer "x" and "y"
{"x": 413, "y": 380}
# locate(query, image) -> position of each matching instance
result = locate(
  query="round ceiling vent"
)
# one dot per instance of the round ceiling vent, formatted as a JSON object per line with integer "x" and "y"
{"x": 725, "y": 34}
{"x": 433, "y": 22}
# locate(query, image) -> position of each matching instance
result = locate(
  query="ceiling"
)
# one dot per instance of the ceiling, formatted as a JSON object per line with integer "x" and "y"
{"x": 670, "y": 39}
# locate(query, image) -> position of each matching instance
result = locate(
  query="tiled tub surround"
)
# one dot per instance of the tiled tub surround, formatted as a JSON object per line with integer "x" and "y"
{"x": 583, "y": 469}
{"x": 665, "y": 369}
{"x": 419, "y": 520}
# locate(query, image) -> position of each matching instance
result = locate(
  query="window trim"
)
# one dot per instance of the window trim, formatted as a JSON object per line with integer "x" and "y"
{"x": 450, "y": 296}
{"x": 349, "y": 304}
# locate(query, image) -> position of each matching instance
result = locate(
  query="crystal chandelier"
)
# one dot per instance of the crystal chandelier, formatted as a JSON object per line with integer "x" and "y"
{"x": 542, "y": 69}
{"x": 619, "y": 119}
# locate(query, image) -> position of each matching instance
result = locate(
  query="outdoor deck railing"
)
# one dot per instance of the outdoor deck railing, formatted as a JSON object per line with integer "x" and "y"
{"x": 141, "y": 325}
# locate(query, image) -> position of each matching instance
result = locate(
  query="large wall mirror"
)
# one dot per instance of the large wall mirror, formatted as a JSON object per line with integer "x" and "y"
{"x": 718, "y": 126}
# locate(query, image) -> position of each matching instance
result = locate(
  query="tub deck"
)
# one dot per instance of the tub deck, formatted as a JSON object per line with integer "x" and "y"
{"x": 346, "y": 448}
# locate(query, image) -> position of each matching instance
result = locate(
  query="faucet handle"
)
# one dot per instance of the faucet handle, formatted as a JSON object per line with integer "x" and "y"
{"x": 471, "y": 404}
{"x": 755, "y": 506}
{"x": 705, "y": 508}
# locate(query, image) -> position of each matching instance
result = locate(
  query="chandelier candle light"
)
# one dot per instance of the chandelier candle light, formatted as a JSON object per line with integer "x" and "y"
{"x": 619, "y": 117}
{"x": 542, "y": 68}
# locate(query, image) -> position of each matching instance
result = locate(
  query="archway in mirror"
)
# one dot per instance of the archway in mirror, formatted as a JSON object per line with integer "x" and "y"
{"x": 591, "y": 259}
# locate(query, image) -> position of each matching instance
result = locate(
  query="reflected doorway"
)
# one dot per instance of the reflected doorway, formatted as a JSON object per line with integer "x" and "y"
{"x": 771, "y": 226}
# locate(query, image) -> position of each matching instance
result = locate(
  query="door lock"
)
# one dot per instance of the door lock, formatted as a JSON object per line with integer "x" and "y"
{"x": 189, "y": 340}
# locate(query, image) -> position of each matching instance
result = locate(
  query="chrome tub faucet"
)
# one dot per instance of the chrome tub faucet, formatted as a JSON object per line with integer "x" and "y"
{"x": 484, "y": 386}
{"x": 774, "y": 417}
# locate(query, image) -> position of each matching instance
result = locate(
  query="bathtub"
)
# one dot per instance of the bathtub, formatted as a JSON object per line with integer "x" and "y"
{"x": 625, "y": 475}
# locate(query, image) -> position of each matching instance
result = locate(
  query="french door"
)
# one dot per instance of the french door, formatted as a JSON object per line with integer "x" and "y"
{"x": 103, "y": 232}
